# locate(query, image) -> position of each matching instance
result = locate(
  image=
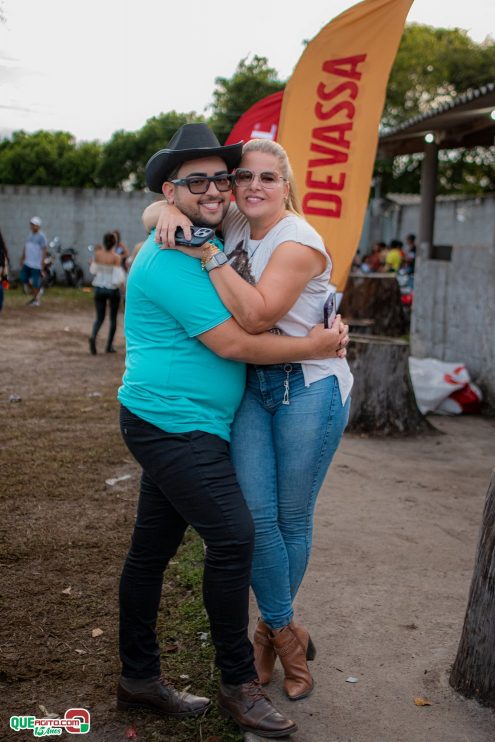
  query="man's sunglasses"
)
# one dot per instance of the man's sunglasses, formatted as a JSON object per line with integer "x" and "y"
{"x": 199, "y": 184}
{"x": 244, "y": 177}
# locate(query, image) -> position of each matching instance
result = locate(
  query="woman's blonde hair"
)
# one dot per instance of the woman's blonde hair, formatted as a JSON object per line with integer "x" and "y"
{"x": 269, "y": 147}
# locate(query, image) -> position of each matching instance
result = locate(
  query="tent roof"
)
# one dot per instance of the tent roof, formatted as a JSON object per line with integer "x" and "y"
{"x": 462, "y": 122}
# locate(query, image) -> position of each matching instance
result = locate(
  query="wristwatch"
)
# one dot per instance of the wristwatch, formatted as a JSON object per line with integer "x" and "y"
{"x": 216, "y": 260}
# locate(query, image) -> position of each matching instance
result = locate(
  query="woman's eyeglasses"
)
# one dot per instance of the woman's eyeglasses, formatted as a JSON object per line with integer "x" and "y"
{"x": 244, "y": 177}
{"x": 200, "y": 184}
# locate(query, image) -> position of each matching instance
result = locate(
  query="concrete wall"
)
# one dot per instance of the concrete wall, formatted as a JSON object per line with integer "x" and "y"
{"x": 458, "y": 221}
{"x": 79, "y": 217}
{"x": 454, "y": 312}
{"x": 454, "y": 306}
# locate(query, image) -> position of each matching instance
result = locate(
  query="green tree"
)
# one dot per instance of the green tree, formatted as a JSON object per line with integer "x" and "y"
{"x": 125, "y": 156}
{"x": 48, "y": 159}
{"x": 252, "y": 81}
{"x": 460, "y": 171}
{"x": 434, "y": 66}
{"x": 155, "y": 135}
{"x": 118, "y": 160}
{"x": 56, "y": 159}
{"x": 80, "y": 166}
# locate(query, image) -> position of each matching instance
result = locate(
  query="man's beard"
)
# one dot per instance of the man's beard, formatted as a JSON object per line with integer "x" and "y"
{"x": 195, "y": 215}
{"x": 204, "y": 223}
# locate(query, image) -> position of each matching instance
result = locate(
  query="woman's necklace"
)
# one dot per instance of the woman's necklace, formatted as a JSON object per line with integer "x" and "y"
{"x": 260, "y": 242}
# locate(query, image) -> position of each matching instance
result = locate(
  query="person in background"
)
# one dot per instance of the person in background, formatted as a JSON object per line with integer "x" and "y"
{"x": 120, "y": 249}
{"x": 4, "y": 267}
{"x": 410, "y": 253}
{"x": 375, "y": 260}
{"x": 32, "y": 259}
{"x": 357, "y": 263}
{"x": 129, "y": 261}
{"x": 108, "y": 280}
{"x": 395, "y": 256}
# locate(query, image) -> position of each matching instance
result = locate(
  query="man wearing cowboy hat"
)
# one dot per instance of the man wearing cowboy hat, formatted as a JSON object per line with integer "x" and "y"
{"x": 184, "y": 379}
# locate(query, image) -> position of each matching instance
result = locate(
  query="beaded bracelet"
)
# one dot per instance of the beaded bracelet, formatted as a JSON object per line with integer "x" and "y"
{"x": 208, "y": 251}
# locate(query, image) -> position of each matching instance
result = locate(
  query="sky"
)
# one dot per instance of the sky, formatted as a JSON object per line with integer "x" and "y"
{"x": 94, "y": 67}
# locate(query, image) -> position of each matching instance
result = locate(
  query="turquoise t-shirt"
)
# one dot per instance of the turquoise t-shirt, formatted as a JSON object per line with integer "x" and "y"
{"x": 171, "y": 379}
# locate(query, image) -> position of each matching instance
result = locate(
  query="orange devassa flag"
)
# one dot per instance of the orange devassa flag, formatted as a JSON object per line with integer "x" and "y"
{"x": 330, "y": 117}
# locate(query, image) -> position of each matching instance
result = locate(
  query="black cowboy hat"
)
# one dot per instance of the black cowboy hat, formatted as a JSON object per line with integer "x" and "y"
{"x": 190, "y": 142}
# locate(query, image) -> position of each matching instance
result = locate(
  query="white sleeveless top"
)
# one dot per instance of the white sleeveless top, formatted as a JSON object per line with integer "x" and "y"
{"x": 249, "y": 258}
{"x": 106, "y": 276}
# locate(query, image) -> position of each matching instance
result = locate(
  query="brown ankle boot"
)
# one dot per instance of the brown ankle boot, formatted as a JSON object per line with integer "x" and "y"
{"x": 264, "y": 653}
{"x": 306, "y": 640}
{"x": 292, "y": 644}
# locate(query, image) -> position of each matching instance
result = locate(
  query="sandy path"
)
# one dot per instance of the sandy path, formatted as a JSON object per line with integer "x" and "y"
{"x": 397, "y": 525}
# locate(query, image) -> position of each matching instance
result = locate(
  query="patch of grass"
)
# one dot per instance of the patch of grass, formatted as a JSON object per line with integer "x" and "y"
{"x": 183, "y": 622}
{"x": 62, "y": 526}
{"x": 55, "y": 297}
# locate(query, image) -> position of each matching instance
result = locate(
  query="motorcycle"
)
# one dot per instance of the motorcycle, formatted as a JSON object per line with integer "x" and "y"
{"x": 49, "y": 273}
{"x": 73, "y": 272}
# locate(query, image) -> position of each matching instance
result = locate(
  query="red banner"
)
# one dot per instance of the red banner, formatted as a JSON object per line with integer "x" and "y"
{"x": 258, "y": 122}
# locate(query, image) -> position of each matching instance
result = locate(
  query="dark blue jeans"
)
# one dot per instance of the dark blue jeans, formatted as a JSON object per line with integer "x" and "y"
{"x": 188, "y": 479}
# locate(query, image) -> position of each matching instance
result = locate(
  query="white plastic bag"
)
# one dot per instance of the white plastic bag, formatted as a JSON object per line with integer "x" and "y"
{"x": 444, "y": 387}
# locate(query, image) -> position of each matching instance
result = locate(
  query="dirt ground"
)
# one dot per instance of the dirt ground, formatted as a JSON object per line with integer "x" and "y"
{"x": 396, "y": 529}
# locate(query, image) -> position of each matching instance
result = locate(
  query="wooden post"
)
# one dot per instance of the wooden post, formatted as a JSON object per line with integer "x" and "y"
{"x": 473, "y": 673}
{"x": 428, "y": 191}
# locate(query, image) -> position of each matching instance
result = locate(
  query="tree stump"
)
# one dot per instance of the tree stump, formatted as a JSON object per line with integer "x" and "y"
{"x": 473, "y": 673}
{"x": 383, "y": 401}
{"x": 361, "y": 326}
{"x": 375, "y": 296}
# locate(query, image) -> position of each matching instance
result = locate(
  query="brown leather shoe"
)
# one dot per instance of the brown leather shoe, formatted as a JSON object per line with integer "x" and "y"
{"x": 158, "y": 694}
{"x": 294, "y": 647}
{"x": 252, "y": 710}
{"x": 264, "y": 653}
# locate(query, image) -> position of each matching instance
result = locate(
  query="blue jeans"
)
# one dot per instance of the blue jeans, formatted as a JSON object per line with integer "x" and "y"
{"x": 281, "y": 453}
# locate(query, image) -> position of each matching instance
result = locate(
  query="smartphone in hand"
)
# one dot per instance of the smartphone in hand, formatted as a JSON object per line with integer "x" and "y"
{"x": 329, "y": 310}
{"x": 199, "y": 235}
